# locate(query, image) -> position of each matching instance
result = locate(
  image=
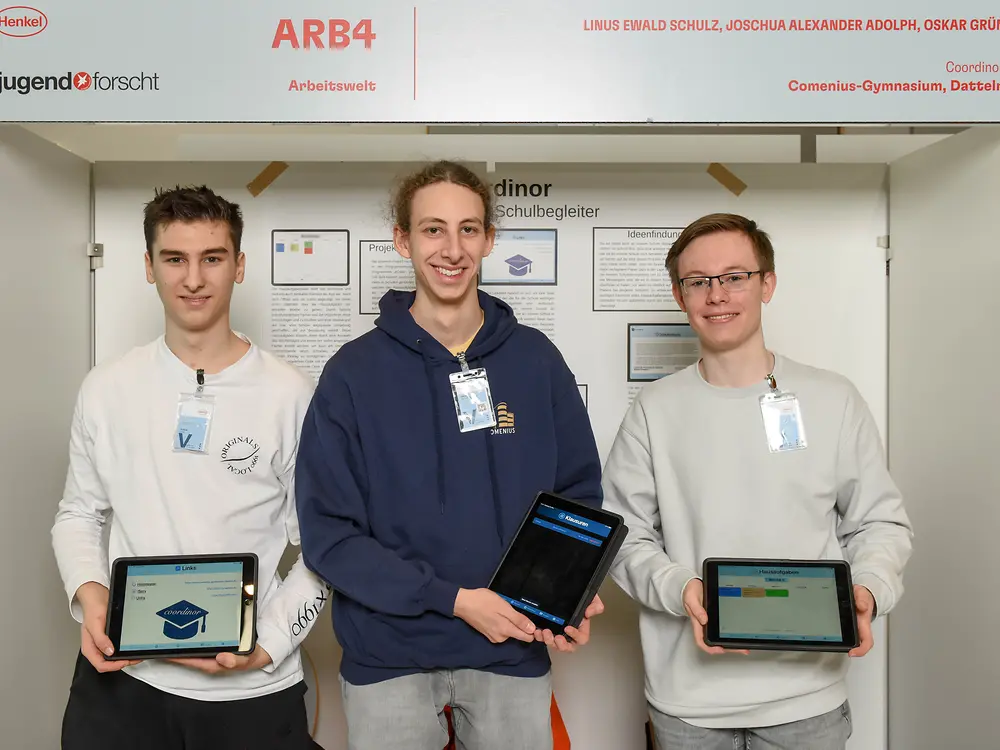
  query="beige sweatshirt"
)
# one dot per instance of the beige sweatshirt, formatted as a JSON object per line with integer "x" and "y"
{"x": 691, "y": 473}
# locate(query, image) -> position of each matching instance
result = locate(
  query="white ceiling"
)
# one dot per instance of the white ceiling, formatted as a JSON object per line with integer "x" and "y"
{"x": 569, "y": 144}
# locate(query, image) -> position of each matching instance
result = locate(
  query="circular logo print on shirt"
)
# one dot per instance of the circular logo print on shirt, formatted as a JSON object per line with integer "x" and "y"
{"x": 240, "y": 455}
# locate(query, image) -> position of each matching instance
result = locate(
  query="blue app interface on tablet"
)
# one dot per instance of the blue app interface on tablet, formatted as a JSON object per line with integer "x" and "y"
{"x": 549, "y": 566}
{"x": 786, "y": 603}
{"x": 182, "y": 606}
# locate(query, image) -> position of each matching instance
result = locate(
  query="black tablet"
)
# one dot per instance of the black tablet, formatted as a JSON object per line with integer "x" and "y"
{"x": 555, "y": 564}
{"x": 192, "y": 605}
{"x": 787, "y": 605}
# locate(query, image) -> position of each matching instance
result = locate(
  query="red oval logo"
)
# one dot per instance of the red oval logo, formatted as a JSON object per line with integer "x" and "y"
{"x": 22, "y": 21}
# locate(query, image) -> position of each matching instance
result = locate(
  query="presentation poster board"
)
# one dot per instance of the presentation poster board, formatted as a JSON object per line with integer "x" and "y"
{"x": 813, "y": 214}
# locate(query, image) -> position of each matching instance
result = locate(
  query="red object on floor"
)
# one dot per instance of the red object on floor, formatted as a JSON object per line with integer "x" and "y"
{"x": 560, "y": 737}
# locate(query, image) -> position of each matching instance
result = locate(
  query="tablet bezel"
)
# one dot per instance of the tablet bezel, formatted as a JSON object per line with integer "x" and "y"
{"x": 608, "y": 553}
{"x": 116, "y": 605}
{"x": 845, "y": 605}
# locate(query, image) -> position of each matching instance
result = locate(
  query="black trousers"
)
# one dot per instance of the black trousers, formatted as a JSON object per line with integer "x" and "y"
{"x": 114, "y": 711}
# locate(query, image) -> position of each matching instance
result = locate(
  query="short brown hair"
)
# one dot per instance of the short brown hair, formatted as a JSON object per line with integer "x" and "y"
{"x": 188, "y": 204}
{"x": 440, "y": 171}
{"x": 714, "y": 223}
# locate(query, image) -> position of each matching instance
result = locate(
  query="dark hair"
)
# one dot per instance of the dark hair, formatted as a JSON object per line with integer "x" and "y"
{"x": 440, "y": 171}
{"x": 188, "y": 204}
{"x": 714, "y": 223}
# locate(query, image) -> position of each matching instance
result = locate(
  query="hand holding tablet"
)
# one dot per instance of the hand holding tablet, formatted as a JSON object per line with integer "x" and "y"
{"x": 95, "y": 645}
{"x": 694, "y": 605}
{"x": 864, "y": 604}
{"x": 572, "y": 638}
{"x": 555, "y": 565}
{"x": 488, "y": 613}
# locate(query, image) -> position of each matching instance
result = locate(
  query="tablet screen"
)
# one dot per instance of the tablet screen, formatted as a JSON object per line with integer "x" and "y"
{"x": 170, "y": 606}
{"x": 779, "y": 603}
{"x": 552, "y": 561}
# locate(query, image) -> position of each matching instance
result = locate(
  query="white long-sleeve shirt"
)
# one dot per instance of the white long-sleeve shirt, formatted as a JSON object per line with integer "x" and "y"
{"x": 237, "y": 497}
{"x": 691, "y": 473}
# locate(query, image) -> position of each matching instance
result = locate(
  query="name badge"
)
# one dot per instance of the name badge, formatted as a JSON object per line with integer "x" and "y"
{"x": 783, "y": 424}
{"x": 194, "y": 423}
{"x": 470, "y": 390}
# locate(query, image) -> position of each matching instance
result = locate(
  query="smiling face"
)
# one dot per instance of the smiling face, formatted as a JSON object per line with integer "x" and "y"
{"x": 194, "y": 266}
{"x": 723, "y": 319}
{"x": 446, "y": 242}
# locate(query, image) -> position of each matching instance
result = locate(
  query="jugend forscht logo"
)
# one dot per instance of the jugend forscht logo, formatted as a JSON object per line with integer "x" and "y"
{"x": 79, "y": 81}
{"x": 22, "y": 21}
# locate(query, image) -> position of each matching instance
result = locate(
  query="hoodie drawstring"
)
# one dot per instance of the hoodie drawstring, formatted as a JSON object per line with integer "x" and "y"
{"x": 491, "y": 462}
{"x": 436, "y": 416}
{"x": 493, "y": 483}
{"x": 439, "y": 449}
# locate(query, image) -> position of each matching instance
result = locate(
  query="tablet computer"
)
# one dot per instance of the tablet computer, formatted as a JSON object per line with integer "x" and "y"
{"x": 787, "y": 605}
{"x": 174, "y": 606}
{"x": 555, "y": 564}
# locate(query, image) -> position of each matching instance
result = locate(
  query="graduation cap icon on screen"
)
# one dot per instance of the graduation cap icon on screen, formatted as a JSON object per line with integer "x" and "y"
{"x": 518, "y": 265}
{"x": 181, "y": 620}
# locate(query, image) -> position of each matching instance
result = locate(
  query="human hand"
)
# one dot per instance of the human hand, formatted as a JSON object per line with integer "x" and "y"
{"x": 864, "y": 606}
{"x": 577, "y": 636}
{"x": 94, "y": 642}
{"x": 492, "y": 616}
{"x": 694, "y": 605}
{"x": 227, "y": 662}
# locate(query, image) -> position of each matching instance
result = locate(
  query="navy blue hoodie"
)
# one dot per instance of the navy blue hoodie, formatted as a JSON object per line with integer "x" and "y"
{"x": 398, "y": 509}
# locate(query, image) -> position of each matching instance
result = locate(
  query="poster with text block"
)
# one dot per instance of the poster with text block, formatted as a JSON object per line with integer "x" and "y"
{"x": 630, "y": 273}
{"x": 381, "y": 268}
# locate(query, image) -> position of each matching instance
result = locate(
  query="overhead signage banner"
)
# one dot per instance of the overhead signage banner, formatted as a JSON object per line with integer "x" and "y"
{"x": 543, "y": 61}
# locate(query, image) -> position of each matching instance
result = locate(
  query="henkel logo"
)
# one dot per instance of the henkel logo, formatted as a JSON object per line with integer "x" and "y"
{"x": 22, "y": 21}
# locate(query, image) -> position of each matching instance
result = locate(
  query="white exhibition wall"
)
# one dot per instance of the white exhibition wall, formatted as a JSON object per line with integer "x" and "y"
{"x": 829, "y": 311}
{"x": 45, "y": 330}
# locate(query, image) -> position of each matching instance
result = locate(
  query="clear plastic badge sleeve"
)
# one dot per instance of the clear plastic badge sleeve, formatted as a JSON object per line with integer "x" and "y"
{"x": 470, "y": 390}
{"x": 783, "y": 422}
{"x": 194, "y": 423}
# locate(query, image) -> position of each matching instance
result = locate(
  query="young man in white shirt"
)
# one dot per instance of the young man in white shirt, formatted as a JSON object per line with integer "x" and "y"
{"x": 234, "y": 497}
{"x": 692, "y": 473}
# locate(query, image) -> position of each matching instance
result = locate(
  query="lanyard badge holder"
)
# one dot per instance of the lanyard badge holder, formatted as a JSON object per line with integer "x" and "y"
{"x": 782, "y": 420}
{"x": 470, "y": 390}
{"x": 194, "y": 419}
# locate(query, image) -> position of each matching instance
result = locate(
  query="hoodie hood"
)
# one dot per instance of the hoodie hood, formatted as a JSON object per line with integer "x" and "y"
{"x": 395, "y": 319}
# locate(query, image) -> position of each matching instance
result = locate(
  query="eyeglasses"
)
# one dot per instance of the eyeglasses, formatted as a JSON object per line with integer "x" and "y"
{"x": 736, "y": 281}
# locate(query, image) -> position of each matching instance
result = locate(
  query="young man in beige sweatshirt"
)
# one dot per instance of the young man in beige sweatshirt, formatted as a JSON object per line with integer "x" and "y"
{"x": 692, "y": 473}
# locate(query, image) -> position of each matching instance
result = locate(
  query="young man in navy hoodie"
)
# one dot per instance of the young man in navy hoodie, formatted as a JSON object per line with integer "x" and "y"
{"x": 407, "y": 516}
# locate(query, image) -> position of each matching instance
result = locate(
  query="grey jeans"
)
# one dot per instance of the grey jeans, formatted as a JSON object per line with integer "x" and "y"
{"x": 489, "y": 712}
{"x": 829, "y": 731}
